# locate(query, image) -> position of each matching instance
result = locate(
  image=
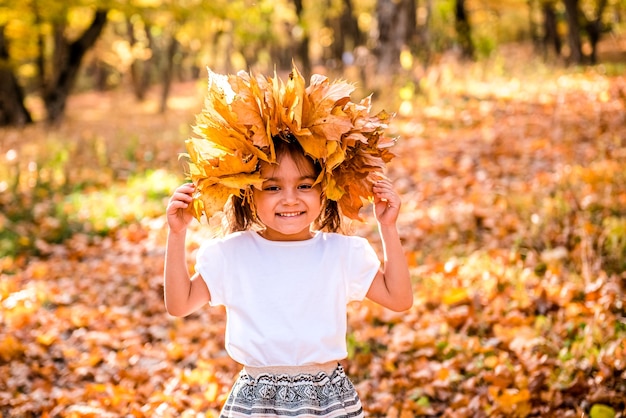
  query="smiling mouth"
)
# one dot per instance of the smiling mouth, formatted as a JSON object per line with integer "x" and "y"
{"x": 289, "y": 214}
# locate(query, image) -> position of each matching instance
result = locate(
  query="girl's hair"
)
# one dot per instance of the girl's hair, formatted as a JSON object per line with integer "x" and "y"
{"x": 239, "y": 211}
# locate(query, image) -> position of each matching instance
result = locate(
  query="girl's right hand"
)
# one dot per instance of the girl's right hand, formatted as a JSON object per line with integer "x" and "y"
{"x": 178, "y": 214}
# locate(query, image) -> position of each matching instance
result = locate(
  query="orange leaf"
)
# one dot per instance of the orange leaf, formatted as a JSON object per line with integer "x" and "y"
{"x": 10, "y": 348}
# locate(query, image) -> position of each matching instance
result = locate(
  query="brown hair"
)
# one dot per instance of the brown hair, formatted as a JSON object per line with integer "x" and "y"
{"x": 239, "y": 211}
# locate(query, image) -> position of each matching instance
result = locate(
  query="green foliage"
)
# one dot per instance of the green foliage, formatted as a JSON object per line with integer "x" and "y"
{"x": 613, "y": 233}
{"x": 101, "y": 211}
{"x": 47, "y": 216}
{"x": 53, "y": 188}
{"x": 443, "y": 34}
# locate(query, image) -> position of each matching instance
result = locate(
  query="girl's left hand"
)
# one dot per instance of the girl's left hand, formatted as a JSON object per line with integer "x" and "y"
{"x": 386, "y": 202}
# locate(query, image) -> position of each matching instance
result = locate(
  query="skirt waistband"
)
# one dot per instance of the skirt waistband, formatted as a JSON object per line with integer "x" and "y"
{"x": 311, "y": 369}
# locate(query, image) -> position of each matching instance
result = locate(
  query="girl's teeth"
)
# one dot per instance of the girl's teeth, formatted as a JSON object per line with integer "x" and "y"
{"x": 289, "y": 214}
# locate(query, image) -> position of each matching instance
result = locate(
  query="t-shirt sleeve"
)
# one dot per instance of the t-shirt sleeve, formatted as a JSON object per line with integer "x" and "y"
{"x": 362, "y": 268}
{"x": 210, "y": 264}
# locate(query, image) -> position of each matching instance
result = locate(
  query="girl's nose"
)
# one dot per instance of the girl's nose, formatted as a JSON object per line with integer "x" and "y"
{"x": 289, "y": 195}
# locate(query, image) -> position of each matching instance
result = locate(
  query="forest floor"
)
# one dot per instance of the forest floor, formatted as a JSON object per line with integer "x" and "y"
{"x": 513, "y": 221}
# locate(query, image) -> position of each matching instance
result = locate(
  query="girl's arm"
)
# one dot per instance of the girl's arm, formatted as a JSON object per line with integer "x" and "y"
{"x": 183, "y": 295}
{"x": 392, "y": 285}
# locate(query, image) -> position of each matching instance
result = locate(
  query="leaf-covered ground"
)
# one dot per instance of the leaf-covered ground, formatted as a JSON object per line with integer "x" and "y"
{"x": 514, "y": 222}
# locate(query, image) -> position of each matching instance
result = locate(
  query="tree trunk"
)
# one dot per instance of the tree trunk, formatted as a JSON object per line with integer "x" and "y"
{"x": 66, "y": 64}
{"x": 422, "y": 47}
{"x": 302, "y": 49}
{"x": 411, "y": 31}
{"x": 12, "y": 109}
{"x": 550, "y": 34}
{"x": 140, "y": 69}
{"x": 396, "y": 23}
{"x": 168, "y": 72}
{"x": 352, "y": 35}
{"x": 594, "y": 30}
{"x": 533, "y": 27}
{"x": 573, "y": 33}
{"x": 346, "y": 34}
{"x": 463, "y": 30}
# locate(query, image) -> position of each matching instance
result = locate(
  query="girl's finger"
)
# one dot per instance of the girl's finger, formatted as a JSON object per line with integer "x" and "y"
{"x": 176, "y": 205}
{"x": 182, "y": 196}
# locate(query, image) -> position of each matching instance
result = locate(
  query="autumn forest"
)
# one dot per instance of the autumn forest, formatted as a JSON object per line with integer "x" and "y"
{"x": 510, "y": 120}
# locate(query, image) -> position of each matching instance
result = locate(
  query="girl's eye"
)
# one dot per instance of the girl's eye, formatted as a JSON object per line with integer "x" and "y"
{"x": 305, "y": 186}
{"x": 271, "y": 188}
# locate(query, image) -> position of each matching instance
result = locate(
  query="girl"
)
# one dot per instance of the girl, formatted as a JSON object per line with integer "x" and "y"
{"x": 285, "y": 276}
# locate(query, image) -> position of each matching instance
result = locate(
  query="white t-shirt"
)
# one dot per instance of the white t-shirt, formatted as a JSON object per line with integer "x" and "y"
{"x": 286, "y": 300}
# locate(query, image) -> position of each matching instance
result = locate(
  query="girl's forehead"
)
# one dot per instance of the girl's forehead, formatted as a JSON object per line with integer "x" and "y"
{"x": 288, "y": 166}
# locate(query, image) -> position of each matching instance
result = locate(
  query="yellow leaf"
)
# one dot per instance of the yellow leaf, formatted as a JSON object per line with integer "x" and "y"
{"x": 212, "y": 392}
{"x": 455, "y": 295}
{"x": 513, "y": 400}
{"x": 211, "y": 161}
{"x": 323, "y": 98}
{"x": 292, "y": 99}
{"x": 175, "y": 351}
{"x": 248, "y": 105}
{"x": 601, "y": 411}
{"x": 313, "y": 144}
{"x": 213, "y": 198}
{"x": 333, "y": 191}
{"x": 330, "y": 127}
{"x": 46, "y": 339}
{"x": 336, "y": 155}
{"x": 491, "y": 362}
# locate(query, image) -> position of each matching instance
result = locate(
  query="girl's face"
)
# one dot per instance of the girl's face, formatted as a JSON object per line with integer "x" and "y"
{"x": 288, "y": 202}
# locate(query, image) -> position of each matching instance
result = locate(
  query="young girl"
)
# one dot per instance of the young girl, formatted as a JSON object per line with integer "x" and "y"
{"x": 285, "y": 276}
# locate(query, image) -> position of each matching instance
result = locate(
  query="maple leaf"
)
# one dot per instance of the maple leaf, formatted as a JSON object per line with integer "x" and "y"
{"x": 211, "y": 159}
{"x": 248, "y": 106}
{"x": 333, "y": 190}
{"x": 292, "y": 100}
{"x": 323, "y": 98}
{"x": 330, "y": 128}
{"x": 324, "y": 115}
{"x": 211, "y": 199}
{"x": 335, "y": 155}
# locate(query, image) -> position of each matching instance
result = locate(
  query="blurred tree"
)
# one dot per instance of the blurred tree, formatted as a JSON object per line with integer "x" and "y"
{"x": 149, "y": 56}
{"x": 463, "y": 29}
{"x": 58, "y": 75}
{"x": 12, "y": 109}
{"x": 346, "y": 35}
{"x": 303, "y": 40}
{"x": 142, "y": 45}
{"x": 573, "y": 31}
{"x": 43, "y": 42}
{"x": 396, "y": 30}
{"x": 550, "y": 31}
{"x": 594, "y": 27}
{"x": 48, "y": 43}
{"x": 584, "y": 22}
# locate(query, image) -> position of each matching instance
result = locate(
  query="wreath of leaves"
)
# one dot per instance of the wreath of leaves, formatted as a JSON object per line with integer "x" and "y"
{"x": 243, "y": 113}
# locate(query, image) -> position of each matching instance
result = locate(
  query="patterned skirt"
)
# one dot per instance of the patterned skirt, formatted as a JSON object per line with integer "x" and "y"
{"x": 301, "y": 395}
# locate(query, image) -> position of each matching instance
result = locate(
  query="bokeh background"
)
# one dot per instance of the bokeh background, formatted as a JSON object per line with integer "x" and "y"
{"x": 511, "y": 161}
